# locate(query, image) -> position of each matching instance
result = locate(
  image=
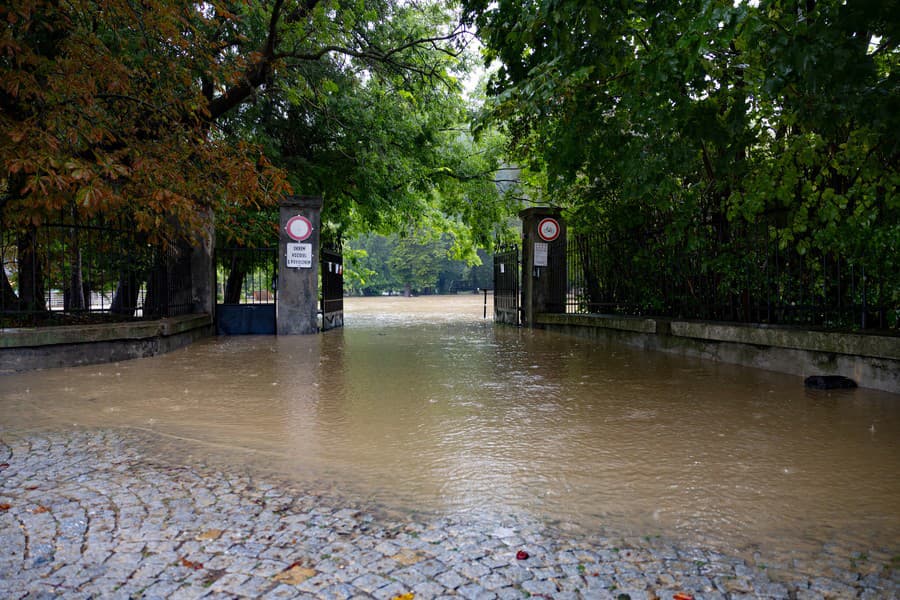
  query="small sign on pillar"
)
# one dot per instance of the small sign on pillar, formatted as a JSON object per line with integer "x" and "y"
{"x": 541, "y": 251}
{"x": 548, "y": 229}
{"x": 299, "y": 228}
{"x": 299, "y": 256}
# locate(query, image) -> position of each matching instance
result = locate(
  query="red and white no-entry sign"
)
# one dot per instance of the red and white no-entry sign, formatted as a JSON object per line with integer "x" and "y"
{"x": 548, "y": 229}
{"x": 298, "y": 228}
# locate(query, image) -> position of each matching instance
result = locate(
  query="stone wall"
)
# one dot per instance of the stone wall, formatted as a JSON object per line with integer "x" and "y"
{"x": 872, "y": 361}
{"x": 27, "y": 349}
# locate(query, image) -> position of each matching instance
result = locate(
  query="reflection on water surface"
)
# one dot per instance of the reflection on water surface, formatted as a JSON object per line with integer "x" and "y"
{"x": 420, "y": 403}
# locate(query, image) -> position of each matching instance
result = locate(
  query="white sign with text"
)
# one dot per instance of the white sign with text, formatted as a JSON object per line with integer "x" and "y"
{"x": 299, "y": 256}
{"x": 540, "y": 254}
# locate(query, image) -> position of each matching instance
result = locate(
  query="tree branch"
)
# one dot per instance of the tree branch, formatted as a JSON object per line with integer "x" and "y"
{"x": 258, "y": 72}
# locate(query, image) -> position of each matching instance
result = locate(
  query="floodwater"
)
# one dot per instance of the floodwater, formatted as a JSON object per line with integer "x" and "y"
{"x": 421, "y": 403}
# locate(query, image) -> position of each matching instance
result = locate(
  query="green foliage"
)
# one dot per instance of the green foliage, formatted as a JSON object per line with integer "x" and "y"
{"x": 423, "y": 263}
{"x": 688, "y": 117}
{"x": 367, "y": 112}
{"x": 165, "y": 111}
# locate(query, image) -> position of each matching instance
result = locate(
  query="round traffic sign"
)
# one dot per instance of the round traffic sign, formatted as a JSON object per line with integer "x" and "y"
{"x": 548, "y": 229}
{"x": 298, "y": 228}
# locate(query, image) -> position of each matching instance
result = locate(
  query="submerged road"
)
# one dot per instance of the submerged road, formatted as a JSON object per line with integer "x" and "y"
{"x": 87, "y": 514}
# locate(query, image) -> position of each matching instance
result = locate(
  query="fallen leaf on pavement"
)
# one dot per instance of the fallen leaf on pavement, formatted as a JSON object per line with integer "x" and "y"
{"x": 40, "y": 510}
{"x": 407, "y": 557}
{"x": 406, "y": 596}
{"x": 5, "y": 506}
{"x": 212, "y": 534}
{"x": 191, "y": 564}
{"x": 295, "y": 575}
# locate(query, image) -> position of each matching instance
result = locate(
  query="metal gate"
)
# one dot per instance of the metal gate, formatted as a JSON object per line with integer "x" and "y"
{"x": 332, "y": 298}
{"x": 246, "y": 288}
{"x": 506, "y": 285}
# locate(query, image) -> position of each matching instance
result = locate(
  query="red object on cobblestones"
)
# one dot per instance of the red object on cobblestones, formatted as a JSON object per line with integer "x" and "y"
{"x": 682, "y": 596}
{"x": 521, "y": 555}
{"x": 191, "y": 564}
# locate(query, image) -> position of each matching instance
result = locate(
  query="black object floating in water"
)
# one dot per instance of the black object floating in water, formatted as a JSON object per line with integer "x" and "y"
{"x": 829, "y": 382}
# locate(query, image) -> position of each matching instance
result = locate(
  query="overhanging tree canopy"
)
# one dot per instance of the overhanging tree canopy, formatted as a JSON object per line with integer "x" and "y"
{"x": 675, "y": 117}
{"x": 670, "y": 102}
{"x": 157, "y": 110}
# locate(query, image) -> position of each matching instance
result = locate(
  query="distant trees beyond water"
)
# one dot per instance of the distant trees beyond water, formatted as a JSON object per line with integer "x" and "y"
{"x": 376, "y": 265}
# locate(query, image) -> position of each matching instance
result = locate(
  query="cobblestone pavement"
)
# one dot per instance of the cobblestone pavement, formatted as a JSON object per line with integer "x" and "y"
{"x": 85, "y": 514}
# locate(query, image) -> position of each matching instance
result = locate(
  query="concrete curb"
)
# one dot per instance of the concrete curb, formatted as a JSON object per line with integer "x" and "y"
{"x": 26, "y": 349}
{"x": 871, "y": 360}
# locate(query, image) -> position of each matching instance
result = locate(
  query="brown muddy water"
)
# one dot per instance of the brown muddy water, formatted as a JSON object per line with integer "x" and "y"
{"x": 422, "y": 404}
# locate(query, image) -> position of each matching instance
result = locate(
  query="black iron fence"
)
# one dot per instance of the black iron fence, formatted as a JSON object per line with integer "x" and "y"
{"x": 332, "y": 298}
{"x": 246, "y": 275}
{"x": 76, "y": 272}
{"x": 730, "y": 273}
{"x": 506, "y": 284}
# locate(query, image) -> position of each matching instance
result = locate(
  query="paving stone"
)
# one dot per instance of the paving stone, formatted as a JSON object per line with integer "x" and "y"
{"x": 515, "y": 573}
{"x": 252, "y": 587}
{"x": 370, "y": 582}
{"x": 430, "y": 568}
{"x": 387, "y": 548}
{"x": 391, "y": 590}
{"x": 339, "y": 591}
{"x": 495, "y": 581}
{"x": 384, "y": 565}
{"x": 428, "y": 589}
{"x": 494, "y": 561}
{"x": 511, "y": 593}
{"x": 473, "y": 591}
{"x": 474, "y": 570}
{"x": 348, "y": 573}
{"x": 537, "y": 586}
{"x": 568, "y": 584}
{"x": 411, "y": 576}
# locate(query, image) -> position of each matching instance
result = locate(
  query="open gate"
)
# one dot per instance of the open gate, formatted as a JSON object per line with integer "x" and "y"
{"x": 332, "y": 296}
{"x": 506, "y": 285}
{"x": 246, "y": 289}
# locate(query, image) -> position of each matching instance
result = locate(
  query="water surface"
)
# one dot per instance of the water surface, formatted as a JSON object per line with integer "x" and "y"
{"x": 420, "y": 403}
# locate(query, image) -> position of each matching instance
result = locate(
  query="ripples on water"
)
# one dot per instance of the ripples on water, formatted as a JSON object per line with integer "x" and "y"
{"x": 421, "y": 403}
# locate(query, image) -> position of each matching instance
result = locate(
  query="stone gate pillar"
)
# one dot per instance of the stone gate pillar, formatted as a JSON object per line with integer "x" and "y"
{"x": 543, "y": 263}
{"x": 297, "y": 301}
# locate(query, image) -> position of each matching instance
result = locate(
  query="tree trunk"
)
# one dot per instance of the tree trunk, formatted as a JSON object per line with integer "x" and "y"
{"x": 126, "y": 296}
{"x": 8, "y": 299}
{"x": 157, "y": 290}
{"x": 235, "y": 282}
{"x": 74, "y": 295}
{"x": 31, "y": 273}
{"x": 73, "y": 298}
